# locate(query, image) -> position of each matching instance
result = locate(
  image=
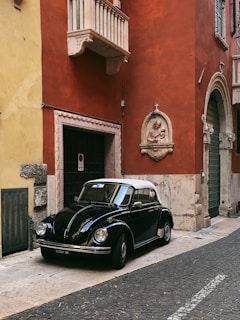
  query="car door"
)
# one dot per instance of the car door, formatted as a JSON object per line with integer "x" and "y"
{"x": 144, "y": 215}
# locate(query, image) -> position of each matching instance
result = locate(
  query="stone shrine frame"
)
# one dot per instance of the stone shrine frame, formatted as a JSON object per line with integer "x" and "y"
{"x": 156, "y": 135}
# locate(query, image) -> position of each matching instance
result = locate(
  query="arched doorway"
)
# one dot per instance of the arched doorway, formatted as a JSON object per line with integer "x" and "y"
{"x": 217, "y": 137}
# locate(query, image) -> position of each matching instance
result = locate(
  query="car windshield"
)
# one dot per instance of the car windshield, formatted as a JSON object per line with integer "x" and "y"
{"x": 110, "y": 193}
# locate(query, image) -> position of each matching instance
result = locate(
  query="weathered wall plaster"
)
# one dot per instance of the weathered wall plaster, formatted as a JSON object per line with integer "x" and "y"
{"x": 180, "y": 194}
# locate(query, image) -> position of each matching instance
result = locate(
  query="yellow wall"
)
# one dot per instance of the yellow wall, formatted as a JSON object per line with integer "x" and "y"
{"x": 20, "y": 93}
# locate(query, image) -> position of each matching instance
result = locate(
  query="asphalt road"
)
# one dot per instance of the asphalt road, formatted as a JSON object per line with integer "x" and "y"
{"x": 203, "y": 283}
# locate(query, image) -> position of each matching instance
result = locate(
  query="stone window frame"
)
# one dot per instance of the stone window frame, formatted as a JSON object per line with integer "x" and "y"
{"x": 220, "y": 23}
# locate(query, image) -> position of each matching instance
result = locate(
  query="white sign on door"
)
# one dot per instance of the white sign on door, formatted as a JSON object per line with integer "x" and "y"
{"x": 80, "y": 162}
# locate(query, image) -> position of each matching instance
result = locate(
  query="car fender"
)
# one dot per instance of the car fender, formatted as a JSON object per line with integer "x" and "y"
{"x": 165, "y": 215}
{"x": 115, "y": 229}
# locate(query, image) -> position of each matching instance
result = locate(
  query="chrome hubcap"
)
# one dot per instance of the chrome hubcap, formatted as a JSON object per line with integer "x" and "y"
{"x": 124, "y": 250}
{"x": 167, "y": 232}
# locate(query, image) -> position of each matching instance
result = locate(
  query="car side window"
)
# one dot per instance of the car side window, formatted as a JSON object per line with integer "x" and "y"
{"x": 127, "y": 197}
{"x": 145, "y": 196}
{"x": 153, "y": 196}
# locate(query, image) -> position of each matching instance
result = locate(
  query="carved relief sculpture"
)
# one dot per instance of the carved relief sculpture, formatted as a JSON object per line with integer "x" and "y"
{"x": 156, "y": 135}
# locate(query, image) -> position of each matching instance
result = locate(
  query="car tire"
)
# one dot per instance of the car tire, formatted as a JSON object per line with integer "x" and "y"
{"x": 166, "y": 233}
{"x": 119, "y": 252}
{"x": 48, "y": 254}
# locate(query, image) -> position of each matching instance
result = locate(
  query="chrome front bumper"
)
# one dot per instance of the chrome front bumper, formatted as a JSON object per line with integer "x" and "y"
{"x": 67, "y": 248}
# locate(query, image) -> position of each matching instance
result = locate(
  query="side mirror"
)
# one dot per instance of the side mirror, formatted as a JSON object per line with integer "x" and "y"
{"x": 75, "y": 199}
{"x": 137, "y": 204}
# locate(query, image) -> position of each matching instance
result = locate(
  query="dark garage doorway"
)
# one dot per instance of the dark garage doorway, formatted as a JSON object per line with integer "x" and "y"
{"x": 84, "y": 159}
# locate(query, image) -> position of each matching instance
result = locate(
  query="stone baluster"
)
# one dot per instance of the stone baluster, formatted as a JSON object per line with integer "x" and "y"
{"x": 121, "y": 32}
{"x": 74, "y": 15}
{"x": 101, "y": 24}
{"x": 117, "y": 30}
{"x": 112, "y": 26}
{"x": 109, "y": 23}
{"x": 81, "y": 14}
{"x": 125, "y": 42}
{"x": 89, "y": 14}
{"x": 97, "y": 16}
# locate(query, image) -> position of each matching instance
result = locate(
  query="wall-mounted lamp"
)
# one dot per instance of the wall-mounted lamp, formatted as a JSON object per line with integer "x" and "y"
{"x": 17, "y": 4}
{"x": 202, "y": 173}
{"x": 155, "y": 111}
{"x": 123, "y": 104}
{"x": 123, "y": 100}
{"x": 221, "y": 67}
{"x": 117, "y": 3}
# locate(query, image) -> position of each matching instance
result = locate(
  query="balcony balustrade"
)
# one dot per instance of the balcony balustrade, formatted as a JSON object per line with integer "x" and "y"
{"x": 236, "y": 79}
{"x": 101, "y": 27}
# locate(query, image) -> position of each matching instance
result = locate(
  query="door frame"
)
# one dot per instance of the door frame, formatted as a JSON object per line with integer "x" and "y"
{"x": 218, "y": 85}
{"x": 112, "y": 150}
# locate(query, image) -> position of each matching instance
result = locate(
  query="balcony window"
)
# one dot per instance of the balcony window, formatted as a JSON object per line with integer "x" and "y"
{"x": 101, "y": 27}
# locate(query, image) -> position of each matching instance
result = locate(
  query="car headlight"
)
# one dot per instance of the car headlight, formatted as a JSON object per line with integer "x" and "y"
{"x": 41, "y": 229}
{"x": 101, "y": 235}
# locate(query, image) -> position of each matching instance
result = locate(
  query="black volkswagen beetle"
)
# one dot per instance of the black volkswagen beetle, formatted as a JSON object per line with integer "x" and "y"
{"x": 110, "y": 217}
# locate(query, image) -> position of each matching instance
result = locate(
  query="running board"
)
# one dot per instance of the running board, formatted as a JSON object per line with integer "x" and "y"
{"x": 145, "y": 242}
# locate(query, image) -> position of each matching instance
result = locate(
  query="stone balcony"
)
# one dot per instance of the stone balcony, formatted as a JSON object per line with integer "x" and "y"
{"x": 236, "y": 79}
{"x": 101, "y": 27}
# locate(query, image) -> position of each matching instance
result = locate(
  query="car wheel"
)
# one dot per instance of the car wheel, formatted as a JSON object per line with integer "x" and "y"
{"x": 119, "y": 252}
{"x": 166, "y": 232}
{"x": 48, "y": 254}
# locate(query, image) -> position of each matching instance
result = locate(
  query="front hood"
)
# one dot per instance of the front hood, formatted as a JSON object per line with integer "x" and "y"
{"x": 71, "y": 222}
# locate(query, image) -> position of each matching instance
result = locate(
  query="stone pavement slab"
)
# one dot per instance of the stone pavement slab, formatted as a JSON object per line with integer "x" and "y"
{"x": 26, "y": 280}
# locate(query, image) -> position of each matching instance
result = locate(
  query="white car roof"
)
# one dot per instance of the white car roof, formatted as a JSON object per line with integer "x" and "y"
{"x": 136, "y": 183}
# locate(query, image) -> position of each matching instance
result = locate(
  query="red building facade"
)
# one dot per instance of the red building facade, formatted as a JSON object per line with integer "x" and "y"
{"x": 144, "y": 90}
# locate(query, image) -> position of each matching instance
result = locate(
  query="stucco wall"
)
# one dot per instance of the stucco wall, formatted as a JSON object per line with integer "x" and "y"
{"x": 161, "y": 69}
{"x": 20, "y": 93}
